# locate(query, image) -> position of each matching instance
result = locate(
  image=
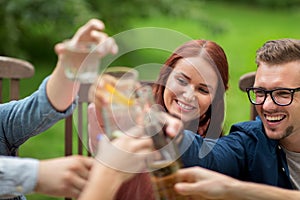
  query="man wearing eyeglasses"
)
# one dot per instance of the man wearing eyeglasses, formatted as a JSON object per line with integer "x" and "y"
{"x": 266, "y": 150}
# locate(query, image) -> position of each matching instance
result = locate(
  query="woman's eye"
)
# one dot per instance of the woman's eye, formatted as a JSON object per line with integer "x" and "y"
{"x": 203, "y": 90}
{"x": 182, "y": 81}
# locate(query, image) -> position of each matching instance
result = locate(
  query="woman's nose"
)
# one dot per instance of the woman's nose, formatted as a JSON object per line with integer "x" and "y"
{"x": 189, "y": 93}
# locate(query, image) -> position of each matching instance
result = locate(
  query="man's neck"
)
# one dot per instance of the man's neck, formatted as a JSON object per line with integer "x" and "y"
{"x": 291, "y": 143}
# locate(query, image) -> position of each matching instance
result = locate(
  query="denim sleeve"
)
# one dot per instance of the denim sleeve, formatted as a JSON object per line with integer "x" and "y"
{"x": 187, "y": 142}
{"x": 192, "y": 149}
{"x": 225, "y": 155}
{"x": 17, "y": 176}
{"x": 25, "y": 118}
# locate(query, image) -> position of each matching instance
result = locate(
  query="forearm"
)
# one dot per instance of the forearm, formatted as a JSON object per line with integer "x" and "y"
{"x": 27, "y": 117}
{"x": 254, "y": 191}
{"x": 103, "y": 183}
{"x": 60, "y": 90}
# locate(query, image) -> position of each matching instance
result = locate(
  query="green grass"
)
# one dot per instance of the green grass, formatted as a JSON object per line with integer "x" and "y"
{"x": 245, "y": 29}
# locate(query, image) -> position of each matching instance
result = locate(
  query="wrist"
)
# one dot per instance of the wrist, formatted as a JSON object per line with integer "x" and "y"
{"x": 233, "y": 189}
{"x": 108, "y": 174}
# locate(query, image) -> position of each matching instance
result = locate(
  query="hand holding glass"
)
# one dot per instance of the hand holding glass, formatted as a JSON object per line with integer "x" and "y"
{"x": 81, "y": 61}
{"x": 120, "y": 114}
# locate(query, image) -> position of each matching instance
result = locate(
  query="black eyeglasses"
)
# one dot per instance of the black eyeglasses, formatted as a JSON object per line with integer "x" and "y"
{"x": 280, "y": 96}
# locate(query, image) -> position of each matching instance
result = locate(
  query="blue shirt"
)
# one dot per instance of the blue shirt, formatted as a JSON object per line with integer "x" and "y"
{"x": 20, "y": 120}
{"x": 246, "y": 154}
{"x": 25, "y": 118}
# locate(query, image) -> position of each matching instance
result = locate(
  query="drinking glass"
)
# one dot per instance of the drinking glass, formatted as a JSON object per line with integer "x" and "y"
{"x": 164, "y": 162}
{"x": 121, "y": 113}
{"x": 81, "y": 61}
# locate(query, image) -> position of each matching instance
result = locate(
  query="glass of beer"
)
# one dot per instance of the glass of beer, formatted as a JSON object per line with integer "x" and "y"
{"x": 164, "y": 162}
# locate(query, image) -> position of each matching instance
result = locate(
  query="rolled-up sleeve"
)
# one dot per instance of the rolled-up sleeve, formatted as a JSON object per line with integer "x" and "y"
{"x": 28, "y": 117}
{"x": 18, "y": 176}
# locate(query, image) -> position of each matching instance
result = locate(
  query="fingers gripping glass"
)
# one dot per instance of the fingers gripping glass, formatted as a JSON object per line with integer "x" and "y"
{"x": 280, "y": 96}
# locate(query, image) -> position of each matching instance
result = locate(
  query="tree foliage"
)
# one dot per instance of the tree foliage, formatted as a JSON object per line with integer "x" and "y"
{"x": 30, "y": 28}
{"x": 278, "y": 4}
{"x": 117, "y": 12}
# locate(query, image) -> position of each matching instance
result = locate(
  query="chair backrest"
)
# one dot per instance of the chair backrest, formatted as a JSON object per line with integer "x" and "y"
{"x": 76, "y": 130}
{"x": 76, "y": 125}
{"x": 13, "y": 70}
{"x": 247, "y": 80}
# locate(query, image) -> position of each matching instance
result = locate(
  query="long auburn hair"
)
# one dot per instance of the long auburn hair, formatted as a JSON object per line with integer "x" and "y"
{"x": 215, "y": 55}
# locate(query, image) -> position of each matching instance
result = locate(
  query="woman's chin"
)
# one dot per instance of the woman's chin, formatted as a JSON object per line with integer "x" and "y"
{"x": 185, "y": 118}
{"x": 189, "y": 119}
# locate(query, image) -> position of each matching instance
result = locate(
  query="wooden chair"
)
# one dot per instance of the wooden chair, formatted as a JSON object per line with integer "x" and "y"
{"x": 247, "y": 80}
{"x": 76, "y": 124}
{"x": 76, "y": 130}
{"x": 13, "y": 70}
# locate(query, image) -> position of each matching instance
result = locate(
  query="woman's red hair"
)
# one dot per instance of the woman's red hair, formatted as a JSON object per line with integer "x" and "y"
{"x": 215, "y": 55}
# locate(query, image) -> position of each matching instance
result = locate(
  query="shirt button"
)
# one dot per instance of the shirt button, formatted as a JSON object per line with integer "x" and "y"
{"x": 19, "y": 189}
{"x": 279, "y": 147}
{"x": 283, "y": 169}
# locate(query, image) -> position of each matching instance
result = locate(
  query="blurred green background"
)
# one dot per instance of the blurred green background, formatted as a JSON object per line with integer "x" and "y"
{"x": 31, "y": 28}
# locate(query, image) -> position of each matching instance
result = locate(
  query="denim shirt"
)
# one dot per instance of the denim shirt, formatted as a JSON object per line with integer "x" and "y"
{"x": 246, "y": 154}
{"x": 25, "y": 118}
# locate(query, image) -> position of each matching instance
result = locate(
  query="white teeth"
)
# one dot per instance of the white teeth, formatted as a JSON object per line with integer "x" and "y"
{"x": 184, "y": 106}
{"x": 274, "y": 118}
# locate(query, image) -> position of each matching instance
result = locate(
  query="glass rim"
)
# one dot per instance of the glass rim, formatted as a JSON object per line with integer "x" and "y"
{"x": 122, "y": 70}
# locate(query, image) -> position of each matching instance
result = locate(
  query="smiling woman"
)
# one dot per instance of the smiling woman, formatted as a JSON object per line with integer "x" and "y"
{"x": 190, "y": 89}
{"x": 191, "y": 86}
{"x": 195, "y": 77}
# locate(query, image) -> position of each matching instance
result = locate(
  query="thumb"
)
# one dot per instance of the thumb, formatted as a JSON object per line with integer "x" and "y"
{"x": 59, "y": 48}
{"x": 186, "y": 188}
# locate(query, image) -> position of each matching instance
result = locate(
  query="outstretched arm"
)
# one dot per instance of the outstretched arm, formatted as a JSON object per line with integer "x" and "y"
{"x": 60, "y": 90}
{"x": 120, "y": 160}
{"x": 207, "y": 184}
{"x": 115, "y": 163}
{"x": 61, "y": 177}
